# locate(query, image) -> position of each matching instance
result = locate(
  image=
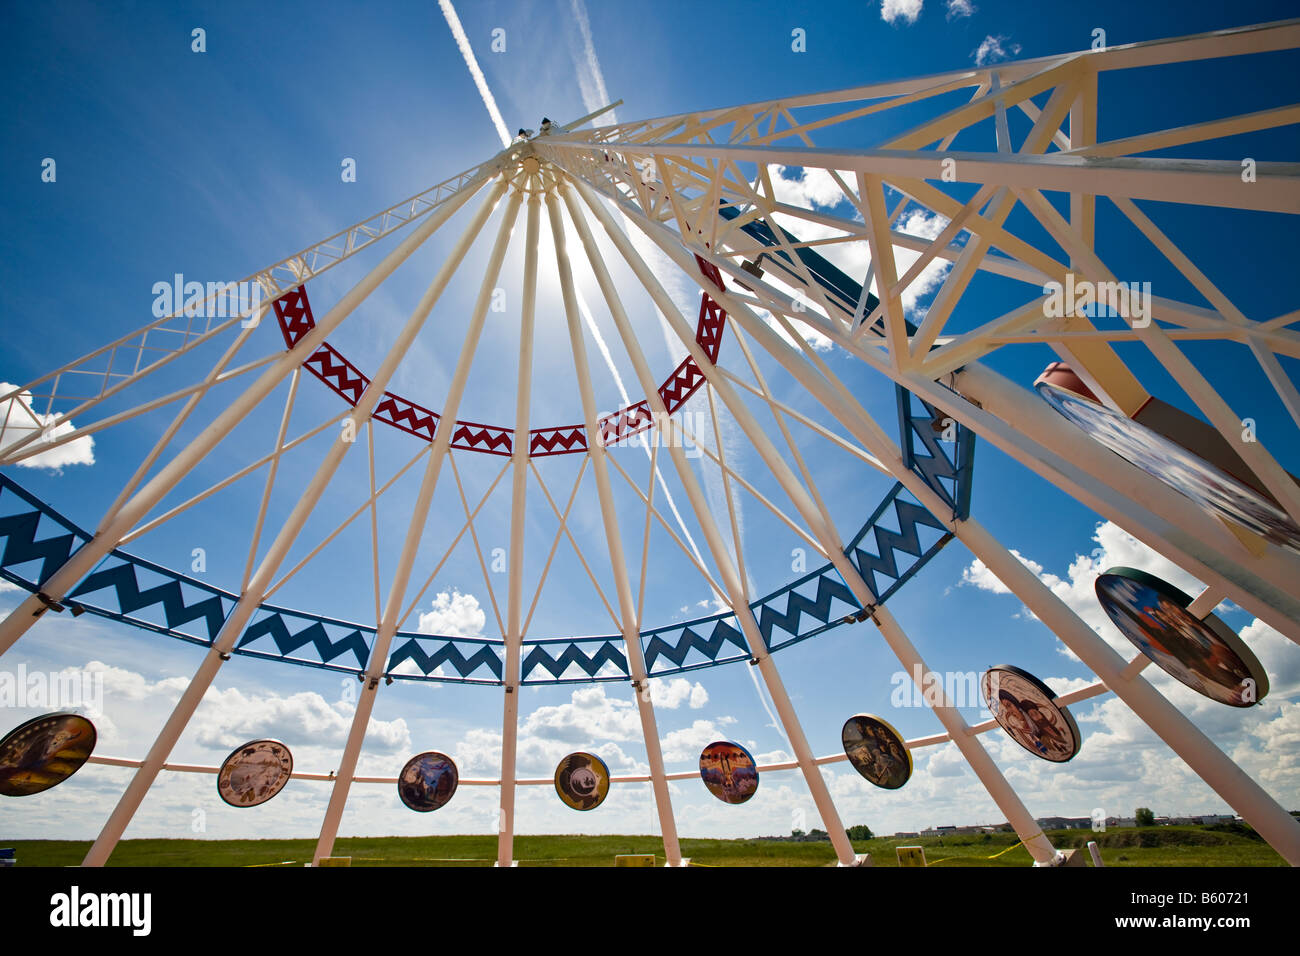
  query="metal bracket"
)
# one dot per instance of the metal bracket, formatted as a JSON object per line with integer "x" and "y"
{"x": 867, "y": 612}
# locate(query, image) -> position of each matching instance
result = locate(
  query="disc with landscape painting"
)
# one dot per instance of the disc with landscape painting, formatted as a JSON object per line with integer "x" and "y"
{"x": 428, "y": 781}
{"x": 729, "y": 771}
{"x": 254, "y": 773}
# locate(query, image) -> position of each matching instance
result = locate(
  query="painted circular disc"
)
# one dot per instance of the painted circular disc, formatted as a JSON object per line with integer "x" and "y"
{"x": 729, "y": 771}
{"x": 254, "y": 773}
{"x": 44, "y": 752}
{"x": 582, "y": 781}
{"x": 1187, "y": 473}
{"x": 1026, "y": 709}
{"x": 1206, "y": 655}
{"x": 428, "y": 781}
{"x": 877, "y": 751}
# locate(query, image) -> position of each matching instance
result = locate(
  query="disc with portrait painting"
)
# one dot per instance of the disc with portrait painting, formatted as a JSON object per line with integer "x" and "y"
{"x": 1026, "y": 709}
{"x": 1205, "y": 654}
{"x": 582, "y": 781}
{"x": 877, "y": 751}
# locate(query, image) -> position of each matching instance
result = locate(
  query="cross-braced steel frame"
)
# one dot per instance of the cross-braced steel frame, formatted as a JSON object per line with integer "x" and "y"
{"x": 702, "y": 190}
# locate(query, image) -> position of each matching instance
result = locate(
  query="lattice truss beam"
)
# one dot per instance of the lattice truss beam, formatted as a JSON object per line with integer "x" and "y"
{"x": 705, "y": 191}
{"x": 709, "y": 184}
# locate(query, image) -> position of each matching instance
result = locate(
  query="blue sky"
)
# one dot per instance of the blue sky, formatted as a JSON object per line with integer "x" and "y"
{"x": 213, "y": 165}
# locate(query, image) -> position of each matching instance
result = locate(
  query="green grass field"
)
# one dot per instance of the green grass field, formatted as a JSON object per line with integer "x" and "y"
{"x": 1224, "y": 845}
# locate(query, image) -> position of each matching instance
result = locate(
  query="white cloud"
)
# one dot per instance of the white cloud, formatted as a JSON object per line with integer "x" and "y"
{"x": 454, "y": 615}
{"x": 924, "y": 225}
{"x": 981, "y": 577}
{"x": 589, "y": 716}
{"x": 891, "y": 11}
{"x": 18, "y": 420}
{"x": 671, "y": 694}
{"x": 991, "y": 50}
{"x": 684, "y": 745}
{"x": 1117, "y": 548}
{"x": 227, "y": 718}
{"x": 959, "y": 9}
{"x": 814, "y": 187}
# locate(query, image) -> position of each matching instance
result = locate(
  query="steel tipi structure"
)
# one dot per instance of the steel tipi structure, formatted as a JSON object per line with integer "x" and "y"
{"x": 698, "y": 190}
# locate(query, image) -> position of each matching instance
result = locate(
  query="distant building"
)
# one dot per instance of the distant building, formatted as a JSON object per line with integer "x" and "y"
{"x": 1210, "y": 819}
{"x": 1065, "y": 823}
{"x": 1119, "y": 823}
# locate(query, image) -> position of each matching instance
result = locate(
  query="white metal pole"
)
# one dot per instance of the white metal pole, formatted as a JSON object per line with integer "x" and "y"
{"x": 415, "y": 528}
{"x": 252, "y": 595}
{"x": 727, "y": 571}
{"x": 183, "y": 415}
{"x": 609, "y": 516}
{"x": 1140, "y": 503}
{"x": 818, "y": 523}
{"x": 1213, "y": 766}
{"x": 518, "y": 523}
{"x": 111, "y": 531}
{"x": 1263, "y": 586}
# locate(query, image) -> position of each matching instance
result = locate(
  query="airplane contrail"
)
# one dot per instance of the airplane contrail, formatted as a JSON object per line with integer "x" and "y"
{"x": 596, "y": 97}
{"x": 462, "y": 41}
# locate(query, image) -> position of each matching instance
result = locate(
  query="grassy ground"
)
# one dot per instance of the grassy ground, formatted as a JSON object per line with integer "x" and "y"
{"x": 1225, "y": 845}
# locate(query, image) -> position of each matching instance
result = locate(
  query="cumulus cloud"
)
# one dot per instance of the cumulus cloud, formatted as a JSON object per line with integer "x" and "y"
{"x": 924, "y": 225}
{"x": 811, "y": 187}
{"x": 993, "y": 49}
{"x": 453, "y": 615}
{"x": 671, "y": 694}
{"x": 980, "y": 576}
{"x": 891, "y": 11}
{"x": 960, "y": 9}
{"x": 589, "y": 715}
{"x": 684, "y": 745}
{"x": 227, "y": 718}
{"x": 1115, "y": 548}
{"x": 18, "y": 420}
